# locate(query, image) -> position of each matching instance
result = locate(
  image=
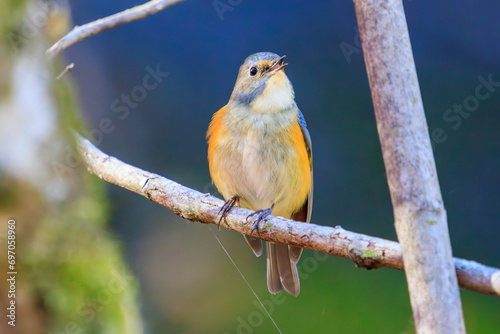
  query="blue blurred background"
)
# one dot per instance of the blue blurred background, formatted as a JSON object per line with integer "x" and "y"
{"x": 187, "y": 283}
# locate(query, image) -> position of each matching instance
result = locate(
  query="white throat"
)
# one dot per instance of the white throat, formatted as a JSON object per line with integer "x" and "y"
{"x": 277, "y": 96}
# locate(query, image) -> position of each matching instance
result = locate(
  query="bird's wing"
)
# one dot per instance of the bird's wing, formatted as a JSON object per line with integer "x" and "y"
{"x": 304, "y": 214}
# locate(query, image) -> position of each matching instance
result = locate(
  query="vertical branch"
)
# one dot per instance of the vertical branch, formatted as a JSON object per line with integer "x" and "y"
{"x": 419, "y": 213}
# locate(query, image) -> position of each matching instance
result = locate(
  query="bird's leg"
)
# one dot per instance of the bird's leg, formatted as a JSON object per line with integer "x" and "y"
{"x": 261, "y": 215}
{"x": 224, "y": 210}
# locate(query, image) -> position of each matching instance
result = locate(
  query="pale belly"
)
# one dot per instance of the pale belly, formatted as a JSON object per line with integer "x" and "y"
{"x": 263, "y": 171}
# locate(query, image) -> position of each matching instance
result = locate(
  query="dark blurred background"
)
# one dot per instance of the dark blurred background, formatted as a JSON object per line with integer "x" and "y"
{"x": 187, "y": 283}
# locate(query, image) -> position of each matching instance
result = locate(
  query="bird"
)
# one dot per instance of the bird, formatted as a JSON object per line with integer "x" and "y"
{"x": 260, "y": 158}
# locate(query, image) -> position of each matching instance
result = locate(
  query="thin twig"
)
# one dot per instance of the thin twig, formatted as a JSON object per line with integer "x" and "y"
{"x": 365, "y": 251}
{"x": 79, "y": 33}
{"x": 66, "y": 70}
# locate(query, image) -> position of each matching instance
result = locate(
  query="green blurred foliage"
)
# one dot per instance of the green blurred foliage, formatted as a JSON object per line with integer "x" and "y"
{"x": 71, "y": 274}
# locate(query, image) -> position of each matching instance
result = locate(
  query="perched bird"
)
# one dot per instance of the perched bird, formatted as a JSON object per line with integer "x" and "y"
{"x": 259, "y": 154}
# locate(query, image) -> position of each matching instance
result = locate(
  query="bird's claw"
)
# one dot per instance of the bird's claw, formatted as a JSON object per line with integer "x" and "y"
{"x": 224, "y": 210}
{"x": 261, "y": 215}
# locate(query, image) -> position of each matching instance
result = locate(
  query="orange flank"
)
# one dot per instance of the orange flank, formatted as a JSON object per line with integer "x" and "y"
{"x": 213, "y": 134}
{"x": 303, "y": 159}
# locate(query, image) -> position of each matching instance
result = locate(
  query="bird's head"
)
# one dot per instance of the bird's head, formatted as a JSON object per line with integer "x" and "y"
{"x": 262, "y": 84}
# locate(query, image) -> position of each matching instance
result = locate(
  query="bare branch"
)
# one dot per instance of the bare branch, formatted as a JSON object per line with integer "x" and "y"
{"x": 66, "y": 70}
{"x": 419, "y": 213}
{"x": 79, "y": 33}
{"x": 365, "y": 251}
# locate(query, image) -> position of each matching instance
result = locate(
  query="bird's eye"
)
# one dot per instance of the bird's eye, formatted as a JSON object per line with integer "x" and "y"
{"x": 253, "y": 71}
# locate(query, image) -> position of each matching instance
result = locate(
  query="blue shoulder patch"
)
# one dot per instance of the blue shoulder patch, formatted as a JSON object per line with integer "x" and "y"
{"x": 302, "y": 121}
{"x": 307, "y": 136}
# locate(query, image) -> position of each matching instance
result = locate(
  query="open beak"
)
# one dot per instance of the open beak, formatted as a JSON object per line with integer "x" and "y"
{"x": 278, "y": 65}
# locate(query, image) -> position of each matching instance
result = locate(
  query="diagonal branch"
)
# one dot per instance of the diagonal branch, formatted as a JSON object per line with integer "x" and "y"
{"x": 79, "y": 33}
{"x": 365, "y": 251}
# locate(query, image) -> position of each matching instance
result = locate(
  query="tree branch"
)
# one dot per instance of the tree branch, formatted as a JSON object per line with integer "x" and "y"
{"x": 79, "y": 33}
{"x": 419, "y": 213}
{"x": 365, "y": 251}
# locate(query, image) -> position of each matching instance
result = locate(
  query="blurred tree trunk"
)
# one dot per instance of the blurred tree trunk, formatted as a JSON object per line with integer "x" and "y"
{"x": 71, "y": 274}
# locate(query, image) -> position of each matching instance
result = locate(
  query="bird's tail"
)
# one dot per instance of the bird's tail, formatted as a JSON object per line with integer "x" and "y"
{"x": 282, "y": 268}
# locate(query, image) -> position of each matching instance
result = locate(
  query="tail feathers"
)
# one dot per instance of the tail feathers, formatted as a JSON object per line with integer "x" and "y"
{"x": 295, "y": 253}
{"x": 255, "y": 244}
{"x": 281, "y": 269}
{"x": 273, "y": 276}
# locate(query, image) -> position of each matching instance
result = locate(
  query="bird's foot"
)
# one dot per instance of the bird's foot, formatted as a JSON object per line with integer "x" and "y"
{"x": 261, "y": 215}
{"x": 224, "y": 210}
